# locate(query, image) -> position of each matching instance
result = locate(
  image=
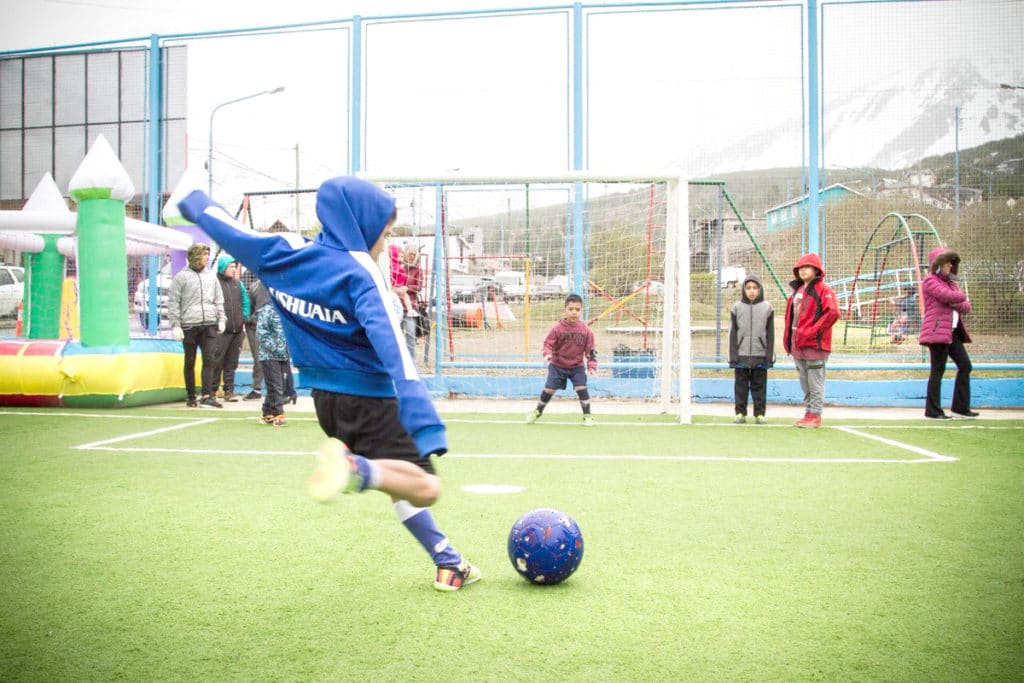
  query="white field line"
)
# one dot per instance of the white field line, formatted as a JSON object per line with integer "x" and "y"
{"x": 719, "y": 425}
{"x": 97, "y": 445}
{"x": 929, "y": 456}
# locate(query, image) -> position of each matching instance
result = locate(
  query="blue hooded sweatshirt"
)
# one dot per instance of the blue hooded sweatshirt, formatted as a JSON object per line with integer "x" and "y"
{"x": 336, "y": 308}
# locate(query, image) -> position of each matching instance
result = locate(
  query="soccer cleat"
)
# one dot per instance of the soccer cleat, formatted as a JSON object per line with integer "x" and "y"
{"x": 760, "y": 419}
{"x": 252, "y": 396}
{"x": 335, "y": 472}
{"x": 232, "y": 397}
{"x": 588, "y": 421}
{"x": 740, "y": 419}
{"x": 940, "y": 416}
{"x": 280, "y": 421}
{"x": 968, "y": 415}
{"x": 192, "y": 402}
{"x": 533, "y": 417}
{"x": 453, "y": 578}
{"x": 210, "y": 402}
{"x": 267, "y": 419}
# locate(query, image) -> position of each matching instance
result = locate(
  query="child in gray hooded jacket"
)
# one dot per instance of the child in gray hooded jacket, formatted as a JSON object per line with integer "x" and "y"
{"x": 751, "y": 348}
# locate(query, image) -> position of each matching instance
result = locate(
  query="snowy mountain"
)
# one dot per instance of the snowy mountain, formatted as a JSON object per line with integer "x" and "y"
{"x": 887, "y": 125}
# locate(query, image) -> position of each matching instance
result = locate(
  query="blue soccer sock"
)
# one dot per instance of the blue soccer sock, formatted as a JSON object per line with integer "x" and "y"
{"x": 421, "y": 524}
{"x": 367, "y": 471}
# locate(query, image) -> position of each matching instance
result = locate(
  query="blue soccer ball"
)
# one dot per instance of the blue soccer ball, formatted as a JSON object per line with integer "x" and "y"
{"x": 545, "y": 546}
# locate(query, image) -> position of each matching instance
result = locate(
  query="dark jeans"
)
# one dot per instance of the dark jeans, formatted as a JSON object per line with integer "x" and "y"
{"x": 205, "y": 339}
{"x": 275, "y": 373}
{"x": 229, "y": 346}
{"x": 755, "y": 382}
{"x": 961, "y": 386}
{"x": 254, "y": 349}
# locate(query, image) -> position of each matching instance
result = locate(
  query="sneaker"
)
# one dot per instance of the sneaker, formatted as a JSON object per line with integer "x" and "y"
{"x": 969, "y": 415}
{"x": 334, "y": 472}
{"x": 232, "y": 397}
{"x": 809, "y": 421}
{"x": 252, "y": 396}
{"x": 533, "y": 417}
{"x": 279, "y": 421}
{"x": 453, "y": 578}
{"x": 267, "y": 420}
{"x": 740, "y": 419}
{"x": 588, "y": 421}
{"x": 940, "y": 416}
{"x": 760, "y": 419}
{"x": 192, "y": 402}
{"x": 210, "y": 402}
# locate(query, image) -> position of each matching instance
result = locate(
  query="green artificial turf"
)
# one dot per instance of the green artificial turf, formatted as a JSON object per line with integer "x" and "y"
{"x": 183, "y": 546}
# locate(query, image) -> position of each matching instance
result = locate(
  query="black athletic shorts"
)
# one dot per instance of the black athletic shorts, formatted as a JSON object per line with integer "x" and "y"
{"x": 557, "y": 377}
{"x": 368, "y": 425}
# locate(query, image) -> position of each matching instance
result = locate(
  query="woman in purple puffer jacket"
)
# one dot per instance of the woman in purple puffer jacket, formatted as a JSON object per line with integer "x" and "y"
{"x": 944, "y": 333}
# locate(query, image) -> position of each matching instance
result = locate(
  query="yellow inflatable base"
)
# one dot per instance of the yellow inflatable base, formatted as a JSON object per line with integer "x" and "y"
{"x": 64, "y": 373}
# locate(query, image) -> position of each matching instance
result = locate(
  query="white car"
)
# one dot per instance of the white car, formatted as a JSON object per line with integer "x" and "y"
{"x": 141, "y": 298}
{"x": 12, "y": 289}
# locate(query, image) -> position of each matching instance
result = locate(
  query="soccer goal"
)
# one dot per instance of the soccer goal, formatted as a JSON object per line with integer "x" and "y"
{"x": 504, "y": 252}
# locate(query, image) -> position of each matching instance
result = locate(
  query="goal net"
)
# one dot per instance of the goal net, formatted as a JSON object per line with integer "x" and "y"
{"x": 499, "y": 254}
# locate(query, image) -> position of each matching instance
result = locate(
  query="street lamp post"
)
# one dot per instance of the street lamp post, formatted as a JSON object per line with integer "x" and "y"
{"x": 209, "y": 157}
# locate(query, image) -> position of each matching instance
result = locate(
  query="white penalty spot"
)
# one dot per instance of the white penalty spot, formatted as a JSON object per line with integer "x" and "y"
{"x": 492, "y": 488}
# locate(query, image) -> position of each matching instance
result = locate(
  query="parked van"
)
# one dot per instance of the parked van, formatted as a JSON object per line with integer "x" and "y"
{"x": 732, "y": 276}
{"x": 513, "y": 283}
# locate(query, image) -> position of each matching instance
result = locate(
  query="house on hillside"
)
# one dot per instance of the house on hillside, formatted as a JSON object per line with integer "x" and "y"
{"x": 942, "y": 197}
{"x": 793, "y": 213}
{"x": 736, "y": 245}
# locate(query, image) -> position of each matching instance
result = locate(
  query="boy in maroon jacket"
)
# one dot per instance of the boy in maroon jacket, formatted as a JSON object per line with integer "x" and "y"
{"x": 811, "y": 312}
{"x": 569, "y": 351}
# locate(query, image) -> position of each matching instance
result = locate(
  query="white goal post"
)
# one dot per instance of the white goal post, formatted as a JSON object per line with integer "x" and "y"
{"x": 609, "y": 237}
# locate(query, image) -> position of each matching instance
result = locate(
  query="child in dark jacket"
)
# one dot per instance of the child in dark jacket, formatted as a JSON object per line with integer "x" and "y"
{"x": 273, "y": 355}
{"x": 751, "y": 348}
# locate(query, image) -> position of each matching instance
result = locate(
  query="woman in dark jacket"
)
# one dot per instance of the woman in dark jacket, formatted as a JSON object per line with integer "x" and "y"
{"x": 944, "y": 333}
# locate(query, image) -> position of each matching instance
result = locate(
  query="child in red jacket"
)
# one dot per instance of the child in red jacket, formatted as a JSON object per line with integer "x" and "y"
{"x": 810, "y": 314}
{"x": 569, "y": 351}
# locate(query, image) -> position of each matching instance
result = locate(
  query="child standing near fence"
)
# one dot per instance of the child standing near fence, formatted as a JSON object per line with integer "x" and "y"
{"x": 751, "y": 348}
{"x": 570, "y": 353}
{"x": 811, "y": 312}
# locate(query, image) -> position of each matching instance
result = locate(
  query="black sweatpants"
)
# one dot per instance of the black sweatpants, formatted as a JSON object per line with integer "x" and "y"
{"x": 753, "y": 381}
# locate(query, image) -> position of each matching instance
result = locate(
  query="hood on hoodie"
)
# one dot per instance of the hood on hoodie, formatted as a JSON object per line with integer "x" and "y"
{"x": 195, "y": 253}
{"x": 223, "y": 261}
{"x": 810, "y": 259}
{"x": 939, "y": 256}
{"x": 353, "y": 213}
{"x": 760, "y": 289}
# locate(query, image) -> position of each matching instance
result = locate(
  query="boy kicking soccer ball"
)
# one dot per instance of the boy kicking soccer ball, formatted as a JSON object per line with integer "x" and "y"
{"x": 345, "y": 338}
{"x": 569, "y": 351}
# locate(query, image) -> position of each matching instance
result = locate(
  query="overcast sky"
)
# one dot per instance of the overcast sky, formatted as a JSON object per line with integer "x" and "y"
{"x": 664, "y": 89}
{"x": 43, "y": 23}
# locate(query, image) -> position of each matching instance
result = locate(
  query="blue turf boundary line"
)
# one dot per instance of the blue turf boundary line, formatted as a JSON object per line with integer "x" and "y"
{"x": 986, "y": 392}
